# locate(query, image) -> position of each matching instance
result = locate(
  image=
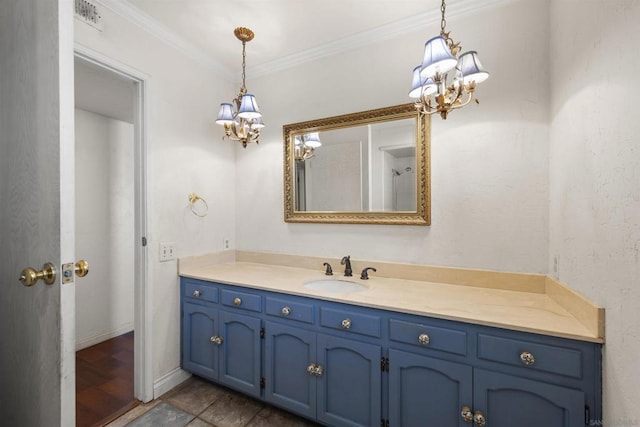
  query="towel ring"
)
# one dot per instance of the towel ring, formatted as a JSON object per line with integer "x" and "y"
{"x": 193, "y": 203}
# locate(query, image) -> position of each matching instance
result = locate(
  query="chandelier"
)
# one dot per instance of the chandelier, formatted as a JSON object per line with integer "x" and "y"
{"x": 444, "y": 81}
{"x": 242, "y": 123}
{"x": 305, "y": 145}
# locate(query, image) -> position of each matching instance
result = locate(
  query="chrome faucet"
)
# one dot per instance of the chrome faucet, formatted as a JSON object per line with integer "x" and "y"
{"x": 346, "y": 261}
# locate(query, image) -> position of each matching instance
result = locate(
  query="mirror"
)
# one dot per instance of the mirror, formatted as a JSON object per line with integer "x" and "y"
{"x": 371, "y": 167}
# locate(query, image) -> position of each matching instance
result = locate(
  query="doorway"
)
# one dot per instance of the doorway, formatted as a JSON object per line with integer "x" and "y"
{"x": 112, "y": 306}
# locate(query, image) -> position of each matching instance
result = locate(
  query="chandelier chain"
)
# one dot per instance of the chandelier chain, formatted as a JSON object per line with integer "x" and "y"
{"x": 244, "y": 62}
{"x": 443, "y": 21}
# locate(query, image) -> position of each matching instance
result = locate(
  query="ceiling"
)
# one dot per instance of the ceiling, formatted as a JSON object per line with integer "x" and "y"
{"x": 287, "y": 32}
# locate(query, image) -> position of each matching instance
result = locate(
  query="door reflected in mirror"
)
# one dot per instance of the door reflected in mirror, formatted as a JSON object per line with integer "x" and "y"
{"x": 369, "y": 167}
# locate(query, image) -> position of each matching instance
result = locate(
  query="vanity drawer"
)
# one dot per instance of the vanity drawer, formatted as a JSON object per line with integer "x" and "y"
{"x": 531, "y": 355}
{"x": 347, "y": 320}
{"x": 427, "y": 336}
{"x": 243, "y": 300}
{"x": 288, "y": 309}
{"x": 200, "y": 290}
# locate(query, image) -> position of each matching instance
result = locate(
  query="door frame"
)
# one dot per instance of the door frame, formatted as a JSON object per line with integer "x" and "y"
{"x": 143, "y": 372}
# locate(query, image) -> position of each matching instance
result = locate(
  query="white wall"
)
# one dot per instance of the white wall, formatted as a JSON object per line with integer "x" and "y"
{"x": 595, "y": 178}
{"x": 185, "y": 154}
{"x": 489, "y": 162}
{"x": 104, "y": 227}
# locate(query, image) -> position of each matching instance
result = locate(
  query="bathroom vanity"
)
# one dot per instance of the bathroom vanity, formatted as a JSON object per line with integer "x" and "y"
{"x": 385, "y": 355}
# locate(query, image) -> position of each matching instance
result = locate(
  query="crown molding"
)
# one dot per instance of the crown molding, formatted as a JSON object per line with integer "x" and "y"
{"x": 166, "y": 35}
{"x": 364, "y": 38}
{"x": 375, "y": 35}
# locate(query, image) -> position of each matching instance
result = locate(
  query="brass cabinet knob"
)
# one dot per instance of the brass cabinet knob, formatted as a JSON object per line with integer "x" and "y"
{"x": 82, "y": 268}
{"x": 237, "y": 301}
{"x": 346, "y": 324}
{"x": 216, "y": 339}
{"x": 29, "y": 276}
{"x": 479, "y": 419}
{"x": 424, "y": 339}
{"x": 314, "y": 369}
{"x": 466, "y": 414}
{"x": 196, "y": 293}
{"x": 527, "y": 358}
{"x": 286, "y": 311}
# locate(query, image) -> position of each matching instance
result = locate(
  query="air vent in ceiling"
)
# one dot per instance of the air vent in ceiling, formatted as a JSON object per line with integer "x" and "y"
{"x": 88, "y": 13}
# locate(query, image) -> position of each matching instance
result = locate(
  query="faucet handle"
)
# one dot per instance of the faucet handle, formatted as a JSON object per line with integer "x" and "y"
{"x": 365, "y": 274}
{"x": 329, "y": 271}
{"x": 346, "y": 261}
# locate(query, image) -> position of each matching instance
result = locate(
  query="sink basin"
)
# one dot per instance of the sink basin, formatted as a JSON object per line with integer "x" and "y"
{"x": 335, "y": 285}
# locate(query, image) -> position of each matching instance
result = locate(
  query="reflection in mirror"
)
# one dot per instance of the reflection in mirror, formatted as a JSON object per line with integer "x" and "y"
{"x": 369, "y": 167}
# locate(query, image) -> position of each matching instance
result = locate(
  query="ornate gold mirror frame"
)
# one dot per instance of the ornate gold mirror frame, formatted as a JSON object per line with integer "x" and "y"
{"x": 421, "y": 216}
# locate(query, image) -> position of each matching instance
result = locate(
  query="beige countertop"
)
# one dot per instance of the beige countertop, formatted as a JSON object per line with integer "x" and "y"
{"x": 548, "y": 307}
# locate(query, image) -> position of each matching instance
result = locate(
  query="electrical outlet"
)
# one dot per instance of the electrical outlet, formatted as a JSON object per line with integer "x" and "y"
{"x": 167, "y": 251}
{"x": 225, "y": 244}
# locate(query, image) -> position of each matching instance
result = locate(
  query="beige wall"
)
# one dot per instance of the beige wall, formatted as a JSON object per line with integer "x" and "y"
{"x": 489, "y": 161}
{"x": 595, "y": 178}
{"x": 185, "y": 154}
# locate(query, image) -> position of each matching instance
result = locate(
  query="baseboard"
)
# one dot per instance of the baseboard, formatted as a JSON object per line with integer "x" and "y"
{"x": 88, "y": 342}
{"x": 169, "y": 381}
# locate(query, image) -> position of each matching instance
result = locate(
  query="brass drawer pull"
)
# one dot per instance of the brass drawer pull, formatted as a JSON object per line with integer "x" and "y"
{"x": 424, "y": 339}
{"x": 527, "y": 358}
{"x": 346, "y": 324}
{"x": 197, "y": 293}
{"x": 237, "y": 301}
{"x": 285, "y": 311}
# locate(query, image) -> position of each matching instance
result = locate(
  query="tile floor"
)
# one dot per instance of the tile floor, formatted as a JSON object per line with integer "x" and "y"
{"x": 199, "y": 403}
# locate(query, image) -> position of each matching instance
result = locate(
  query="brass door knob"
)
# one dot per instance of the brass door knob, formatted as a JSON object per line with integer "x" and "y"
{"x": 82, "y": 268}
{"x": 30, "y": 276}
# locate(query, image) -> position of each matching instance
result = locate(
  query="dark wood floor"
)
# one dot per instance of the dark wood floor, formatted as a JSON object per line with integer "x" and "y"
{"x": 104, "y": 381}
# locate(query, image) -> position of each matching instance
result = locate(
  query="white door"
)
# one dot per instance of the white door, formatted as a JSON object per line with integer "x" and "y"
{"x": 37, "y": 379}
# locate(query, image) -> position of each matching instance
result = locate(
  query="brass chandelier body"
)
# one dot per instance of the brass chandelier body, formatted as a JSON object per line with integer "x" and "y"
{"x": 434, "y": 93}
{"x": 242, "y": 123}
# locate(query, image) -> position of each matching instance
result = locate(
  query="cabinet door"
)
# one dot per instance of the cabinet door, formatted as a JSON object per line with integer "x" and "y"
{"x": 240, "y": 352}
{"x": 426, "y": 392}
{"x": 288, "y": 353}
{"x": 508, "y": 401}
{"x": 199, "y": 353}
{"x": 349, "y": 389}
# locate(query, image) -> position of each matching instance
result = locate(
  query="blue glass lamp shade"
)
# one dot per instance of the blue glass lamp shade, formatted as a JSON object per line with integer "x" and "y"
{"x": 471, "y": 68}
{"x": 417, "y": 84}
{"x": 437, "y": 58}
{"x": 312, "y": 140}
{"x": 249, "y": 107}
{"x": 225, "y": 116}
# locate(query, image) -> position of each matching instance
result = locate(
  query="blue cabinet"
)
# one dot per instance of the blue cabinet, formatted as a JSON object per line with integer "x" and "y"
{"x": 289, "y": 351}
{"x": 345, "y": 365}
{"x": 349, "y": 389}
{"x": 217, "y": 344}
{"x": 508, "y": 400}
{"x": 199, "y": 326}
{"x": 334, "y": 380}
{"x": 425, "y": 391}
